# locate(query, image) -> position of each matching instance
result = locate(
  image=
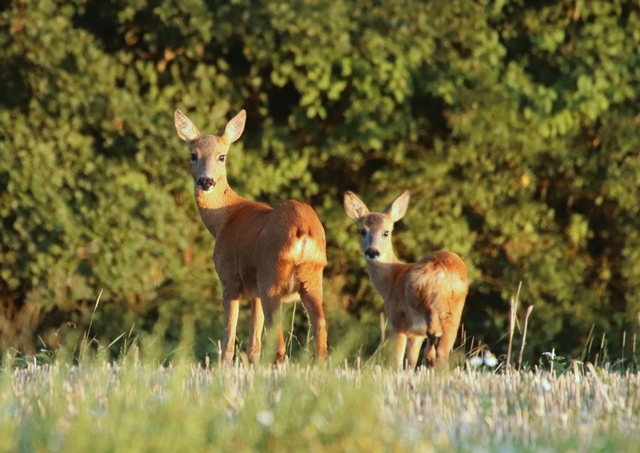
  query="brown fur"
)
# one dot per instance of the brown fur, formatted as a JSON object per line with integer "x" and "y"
{"x": 267, "y": 254}
{"x": 422, "y": 300}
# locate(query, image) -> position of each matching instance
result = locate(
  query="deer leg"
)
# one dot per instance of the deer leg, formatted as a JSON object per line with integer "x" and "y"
{"x": 434, "y": 327}
{"x": 271, "y": 307}
{"x": 450, "y": 325}
{"x": 255, "y": 334}
{"x": 400, "y": 344}
{"x": 430, "y": 351}
{"x": 445, "y": 343}
{"x": 413, "y": 351}
{"x": 311, "y": 296}
{"x": 281, "y": 349}
{"x": 231, "y": 307}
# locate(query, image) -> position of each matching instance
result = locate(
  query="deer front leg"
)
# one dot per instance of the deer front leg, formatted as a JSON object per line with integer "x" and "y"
{"x": 255, "y": 334}
{"x": 413, "y": 351}
{"x": 231, "y": 307}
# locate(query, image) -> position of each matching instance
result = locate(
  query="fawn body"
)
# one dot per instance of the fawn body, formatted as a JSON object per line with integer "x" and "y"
{"x": 263, "y": 253}
{"x": 422, "y": 300}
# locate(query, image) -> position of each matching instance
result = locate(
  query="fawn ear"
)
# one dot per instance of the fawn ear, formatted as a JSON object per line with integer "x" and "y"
{"x": 398, "y": 207}
{"x": 186, "y": 130}
{"x": 354, "y": 207}
{"x": 235, "y": 126}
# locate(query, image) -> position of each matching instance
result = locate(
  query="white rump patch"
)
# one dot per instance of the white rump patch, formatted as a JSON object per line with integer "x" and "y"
{"x": 298, "y": 248}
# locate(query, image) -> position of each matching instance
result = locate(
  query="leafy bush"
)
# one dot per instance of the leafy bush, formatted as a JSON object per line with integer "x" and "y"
{"x": 514, "y": 126}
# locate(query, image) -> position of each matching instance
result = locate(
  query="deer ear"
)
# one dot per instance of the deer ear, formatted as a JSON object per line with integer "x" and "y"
{"x": 235, "y": 126}
{"x": 186, "y": 130}
{"x": 398, "y": 207}
{"x": 354, "y": 207}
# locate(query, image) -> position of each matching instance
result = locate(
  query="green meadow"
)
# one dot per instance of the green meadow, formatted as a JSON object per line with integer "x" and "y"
{"x": 137, "y": 406}
{"x": 134, "y": 407}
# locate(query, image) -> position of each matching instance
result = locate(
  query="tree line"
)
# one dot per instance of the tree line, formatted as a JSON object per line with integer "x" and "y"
{"x": 514, "y": 125}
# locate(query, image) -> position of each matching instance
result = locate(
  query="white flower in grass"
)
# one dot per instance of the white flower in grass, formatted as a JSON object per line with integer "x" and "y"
{"x": 265, "y": 418}
{"x": 490, "y": 360}
{"x": 476, "y": 361}
{"x": 551, "y": 355}
{"x": 487, "y": 359}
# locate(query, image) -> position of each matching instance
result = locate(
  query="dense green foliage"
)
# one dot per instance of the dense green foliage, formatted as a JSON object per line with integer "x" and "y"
{"x": 515, "y": 125}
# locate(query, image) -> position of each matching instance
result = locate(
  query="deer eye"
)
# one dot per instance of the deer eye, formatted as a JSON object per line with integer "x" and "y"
{"x": 363, "y": 232}
{"x": 385, "y": 234}
{"x": 194, "y": 158}
{"x": 222, "y": 157}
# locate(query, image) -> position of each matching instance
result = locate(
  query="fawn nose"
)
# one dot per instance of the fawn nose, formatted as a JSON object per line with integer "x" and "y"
{"x": 205, "y": 183}
{"x": 372, "y": 254}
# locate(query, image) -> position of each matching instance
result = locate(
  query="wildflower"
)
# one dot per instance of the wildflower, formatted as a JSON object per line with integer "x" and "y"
{"x": 490, "y": 360}
{"x": 487, "y": 359}
{"x": 476, "y": 361}
{"x": 265, "y": 418}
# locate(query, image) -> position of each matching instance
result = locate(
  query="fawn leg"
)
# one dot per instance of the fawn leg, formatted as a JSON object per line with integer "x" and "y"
{"x": 255, "y": 334}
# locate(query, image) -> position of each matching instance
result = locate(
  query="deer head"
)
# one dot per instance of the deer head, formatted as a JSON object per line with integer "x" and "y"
{"x": 209, "y": 152}
{"x": 375, "y": 228}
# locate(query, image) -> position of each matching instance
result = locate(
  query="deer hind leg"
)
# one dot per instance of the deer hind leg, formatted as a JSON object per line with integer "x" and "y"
{"x": 311, "y": 296}
{"x": 434, "y": 327}
{"x": 413, "y": 351}
{"x": 273, "y": 323}
{"x": 449, "y": 334}
{"x": 434, "y": 332}
{"x": 281, "y": 349}
{"x": 255, "y": 334}
{"x": 274, "y": 283}
{"x": 231, "y": 306}
{"x": 450, "y": 325}
{"x": 430, "y": 351}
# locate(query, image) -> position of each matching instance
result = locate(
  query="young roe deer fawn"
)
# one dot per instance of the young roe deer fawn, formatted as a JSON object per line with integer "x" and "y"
{"x": 421, "y": 300}
{"x": 267, "y": 254}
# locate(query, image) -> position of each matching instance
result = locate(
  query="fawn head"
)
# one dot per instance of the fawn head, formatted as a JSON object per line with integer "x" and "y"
{"x": 208, "y": 152}
{"x": 376, "y": 227}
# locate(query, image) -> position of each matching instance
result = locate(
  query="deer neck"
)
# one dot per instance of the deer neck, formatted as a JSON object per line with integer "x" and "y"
{"x": 216, "y": 207}
{"x": 382, "y": 272}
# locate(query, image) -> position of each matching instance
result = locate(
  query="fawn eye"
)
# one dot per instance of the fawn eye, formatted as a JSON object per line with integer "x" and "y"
{"x": 194, "y": 158}
{"x": 385, "y": 234}
{"x": 222, "y": 157}
{"x": 363, "y": 232}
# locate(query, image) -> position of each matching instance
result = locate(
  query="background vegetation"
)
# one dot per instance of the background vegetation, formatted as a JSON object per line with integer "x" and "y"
{"x": 514, "y": 124}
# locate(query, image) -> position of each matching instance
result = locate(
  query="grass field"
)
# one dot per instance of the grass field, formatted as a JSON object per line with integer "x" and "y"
{"x": 131, "y": 406}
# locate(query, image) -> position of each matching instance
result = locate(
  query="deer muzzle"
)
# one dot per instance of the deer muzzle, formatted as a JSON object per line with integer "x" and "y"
{"x": 205, "y": 183}
{"x": 372, "y": 254}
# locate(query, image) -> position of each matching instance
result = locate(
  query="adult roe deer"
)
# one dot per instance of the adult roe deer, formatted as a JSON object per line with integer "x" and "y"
{"x": 267, "y": 254}
{"x": 421, "y": 300}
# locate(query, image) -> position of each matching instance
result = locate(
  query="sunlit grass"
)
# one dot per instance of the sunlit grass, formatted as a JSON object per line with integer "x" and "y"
{"x": 83, "y": 400}
{"x": 131, "y": 406}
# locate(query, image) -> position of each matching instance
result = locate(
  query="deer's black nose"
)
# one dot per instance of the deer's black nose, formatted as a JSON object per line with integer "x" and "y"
{"x": 205, "y": 183}
{"x": 372, "y": 254}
